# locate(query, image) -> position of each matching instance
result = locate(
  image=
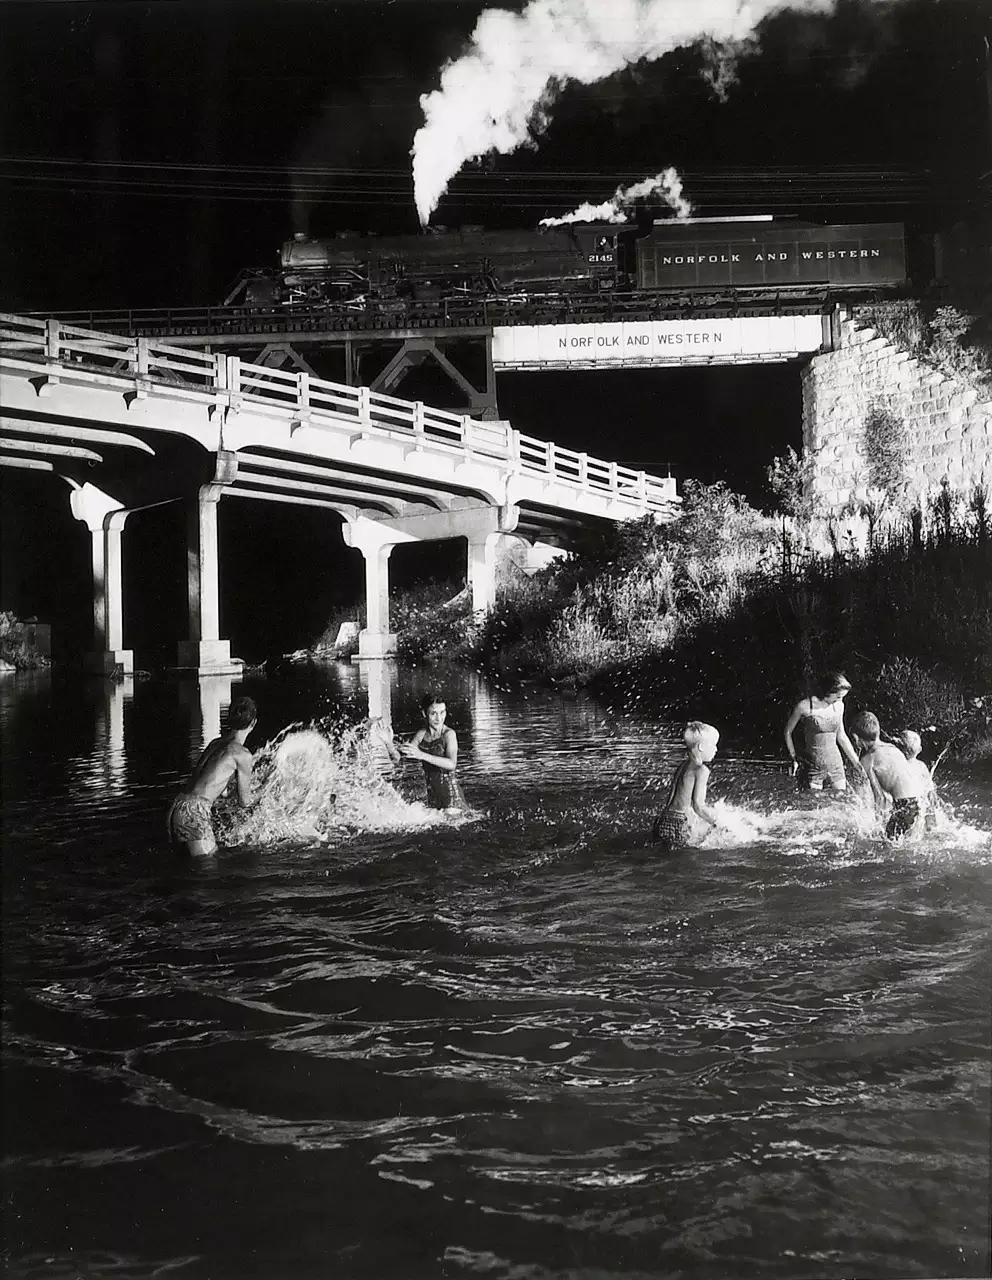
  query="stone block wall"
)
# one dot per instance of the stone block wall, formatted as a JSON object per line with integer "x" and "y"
{"x": 875, "y": 418}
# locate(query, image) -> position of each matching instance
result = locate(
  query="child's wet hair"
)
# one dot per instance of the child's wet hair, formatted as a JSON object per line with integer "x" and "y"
{"x": 865, "y": 725}
{"x": 243, "y": 713}
{"x": 697, "y": 731}
{"x": 910, "y": 741}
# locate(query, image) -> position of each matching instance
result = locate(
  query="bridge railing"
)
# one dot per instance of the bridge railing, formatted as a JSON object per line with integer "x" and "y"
{"x": 315, "y": 402}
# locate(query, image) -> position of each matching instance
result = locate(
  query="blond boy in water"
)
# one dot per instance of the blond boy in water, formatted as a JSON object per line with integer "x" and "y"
{"x": 911, "y": 743}
{"x": 673, "y": 828}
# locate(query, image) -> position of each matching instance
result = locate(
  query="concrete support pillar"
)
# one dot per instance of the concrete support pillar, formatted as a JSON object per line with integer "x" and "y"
{"x": 376, "y": 678}
{"x": 480, "y": 524}
{"x": 375, "y": 541}
{"x": 113, "y": 528}
{"x": 482, "y": 571}
{"x": 205, "y": 652}
{"x": 105, "y": 517}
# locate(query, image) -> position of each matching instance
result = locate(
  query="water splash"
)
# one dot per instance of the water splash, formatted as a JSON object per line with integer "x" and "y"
{"x": 840, "y": 824}
{"x": 319, "y": 782}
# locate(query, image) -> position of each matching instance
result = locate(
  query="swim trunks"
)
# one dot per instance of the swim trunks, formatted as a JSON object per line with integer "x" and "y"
{"x": 672, "y": 829}
{"x": 903, "y": 817}
{"x": 190, "y": 818}
{"x": 443, "y": 789}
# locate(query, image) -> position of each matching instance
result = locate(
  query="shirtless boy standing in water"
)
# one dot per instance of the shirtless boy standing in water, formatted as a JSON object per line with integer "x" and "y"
{"x": 890, "y": 776}
{"x": 190, "y": 820}
{"x": 687, "y": 791}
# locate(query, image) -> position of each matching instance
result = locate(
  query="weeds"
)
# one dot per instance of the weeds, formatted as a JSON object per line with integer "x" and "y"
{"x": 14, "y": 648}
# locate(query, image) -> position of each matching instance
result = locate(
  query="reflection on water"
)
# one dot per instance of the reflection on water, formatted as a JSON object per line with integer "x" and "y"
{"x": 205, "y": 698}
{"x": 366, "y": 1040}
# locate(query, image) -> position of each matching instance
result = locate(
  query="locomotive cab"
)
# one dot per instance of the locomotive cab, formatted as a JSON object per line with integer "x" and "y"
{"x": 607, "y": 248}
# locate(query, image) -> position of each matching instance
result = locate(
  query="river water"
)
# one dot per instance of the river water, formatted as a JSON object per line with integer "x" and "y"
{"x": 369, "y": 1040}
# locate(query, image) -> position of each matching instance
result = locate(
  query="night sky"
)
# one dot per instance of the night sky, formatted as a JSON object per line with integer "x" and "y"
{"x": 153, "y": 150}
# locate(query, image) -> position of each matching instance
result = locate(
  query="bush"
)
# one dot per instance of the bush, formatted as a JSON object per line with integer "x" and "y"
{"x": 947, "y": 338}
{"x": 14, "y": 648}
{"x": 431, "y": 621}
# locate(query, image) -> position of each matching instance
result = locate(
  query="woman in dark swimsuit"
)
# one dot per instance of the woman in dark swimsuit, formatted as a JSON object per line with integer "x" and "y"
{"x": 819, "y": 762}
{"x": 436, "y": 746}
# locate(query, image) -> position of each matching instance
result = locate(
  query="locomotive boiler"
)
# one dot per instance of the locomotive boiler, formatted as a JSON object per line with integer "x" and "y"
{"x": 622, "y": 268}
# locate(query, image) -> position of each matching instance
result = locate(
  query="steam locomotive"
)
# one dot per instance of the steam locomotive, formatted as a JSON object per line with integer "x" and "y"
{"x": 621, "y": 267}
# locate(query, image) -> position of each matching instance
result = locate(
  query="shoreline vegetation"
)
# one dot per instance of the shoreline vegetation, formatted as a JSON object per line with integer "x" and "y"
{"x": 17, "y": 652}
{"x": 727, "y": 614}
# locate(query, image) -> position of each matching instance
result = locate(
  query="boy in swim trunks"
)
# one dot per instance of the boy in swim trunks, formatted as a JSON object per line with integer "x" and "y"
{"x": 890, "y": 776}
{"x": 436, "y": 746}
{"x": 673, "y": 828}
{"x": 190, "y": 820}
{"x": 911, "y": 743}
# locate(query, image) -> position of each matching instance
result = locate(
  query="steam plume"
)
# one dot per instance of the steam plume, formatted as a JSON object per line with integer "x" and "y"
{"x": 498, "y": 95}
{"x": 667, "y": 184}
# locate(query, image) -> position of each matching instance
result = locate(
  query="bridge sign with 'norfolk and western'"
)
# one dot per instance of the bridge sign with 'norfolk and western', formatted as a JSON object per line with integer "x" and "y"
{"x": 644, "y": 343}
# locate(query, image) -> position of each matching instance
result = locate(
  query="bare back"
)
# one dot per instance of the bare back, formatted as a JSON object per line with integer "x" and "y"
{"x": 889, "y": 771}
{"x": 221, "y": 760}
{"x": 688, "y": 784}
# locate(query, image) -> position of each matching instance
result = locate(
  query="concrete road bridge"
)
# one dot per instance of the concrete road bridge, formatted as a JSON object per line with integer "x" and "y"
{"x": 129, "y": 423}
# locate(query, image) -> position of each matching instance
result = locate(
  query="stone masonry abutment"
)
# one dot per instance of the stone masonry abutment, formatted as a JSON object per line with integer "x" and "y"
{"x": 878, "y": 421}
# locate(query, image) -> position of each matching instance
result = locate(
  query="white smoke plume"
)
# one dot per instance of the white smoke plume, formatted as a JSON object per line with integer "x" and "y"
{"x": 498, "y": 94}
{"x": 720, "y": 64}
{"x": 666, "y": 184}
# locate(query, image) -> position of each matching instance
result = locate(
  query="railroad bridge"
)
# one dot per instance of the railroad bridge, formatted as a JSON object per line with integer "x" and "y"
{"x": 131, "y": 422}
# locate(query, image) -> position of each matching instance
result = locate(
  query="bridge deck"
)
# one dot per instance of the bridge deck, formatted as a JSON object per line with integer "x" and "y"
{"x": 93, "y": 376}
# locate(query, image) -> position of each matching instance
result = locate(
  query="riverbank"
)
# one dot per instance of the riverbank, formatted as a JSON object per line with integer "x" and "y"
{"x": 20, "y": 648}
{"x": 728, "y": 614}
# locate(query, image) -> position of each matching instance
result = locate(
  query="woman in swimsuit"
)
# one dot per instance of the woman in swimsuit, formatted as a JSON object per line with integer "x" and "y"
{"x": 819, "y": 762}
{"x": 436, "y": 746}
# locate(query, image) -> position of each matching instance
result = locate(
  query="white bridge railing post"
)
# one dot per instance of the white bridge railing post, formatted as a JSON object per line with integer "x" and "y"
{"x": 614, "y": 479}
{"x": 53, "y": 340}
{"x": 584, "y": 470}
{"x": 142, "y": 364}
{"x": 365, "y": 406}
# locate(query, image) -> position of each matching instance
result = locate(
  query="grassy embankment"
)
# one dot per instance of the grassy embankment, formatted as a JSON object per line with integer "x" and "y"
{"x": 727, "y": 614}
{"x": 14, "y": 649}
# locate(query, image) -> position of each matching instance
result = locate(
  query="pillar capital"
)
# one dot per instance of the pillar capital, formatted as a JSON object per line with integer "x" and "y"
{"x": 91, "y": 505}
